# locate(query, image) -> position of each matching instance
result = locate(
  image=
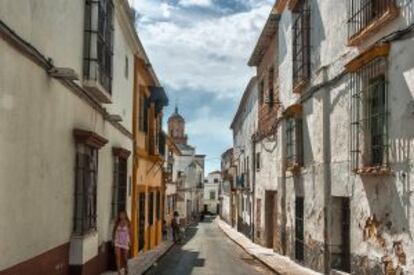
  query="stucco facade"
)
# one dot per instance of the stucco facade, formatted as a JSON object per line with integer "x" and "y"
{"x": 187, "y": 171}
{"x": 211, "y": 187}
{"x": 332, "y": 208}
{"x": 244, "y": 126}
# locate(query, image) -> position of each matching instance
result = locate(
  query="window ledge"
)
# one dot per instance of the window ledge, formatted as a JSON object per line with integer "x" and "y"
{"x": 373, "y": 171}
{"x": 390, "y": 14}
{"x": 300, "y": 86}
{"x": 97, "y": 91}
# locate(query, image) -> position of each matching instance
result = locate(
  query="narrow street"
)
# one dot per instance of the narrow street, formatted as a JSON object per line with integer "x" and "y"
{"x": 207, "y": 250}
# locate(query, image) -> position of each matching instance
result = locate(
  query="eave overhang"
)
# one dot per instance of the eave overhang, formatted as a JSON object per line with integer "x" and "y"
{"x": 265, "y": 38}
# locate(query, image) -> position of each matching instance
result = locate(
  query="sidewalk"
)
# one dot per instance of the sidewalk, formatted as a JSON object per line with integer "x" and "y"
{"x": 144, "y": 261}
{"x": 280, "y": 264}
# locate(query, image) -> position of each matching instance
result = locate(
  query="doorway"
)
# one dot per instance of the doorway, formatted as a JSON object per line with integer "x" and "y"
{"x": 270, "y": 217}
{"x": 141, "y": 221}
{"x": 340, "y": 234}
{"x": 299, "y": 229}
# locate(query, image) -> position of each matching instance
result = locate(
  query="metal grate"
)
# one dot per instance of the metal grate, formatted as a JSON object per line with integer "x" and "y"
{"x": 98, "y": 41}
{"x": 369, "y": 115}
{"x": 301, "y": 42}
{"x": 86, "y": 189}
{"x": 119, "y": 191}
{"x": 299, "y": 229}
{"x": 361, "y": 13}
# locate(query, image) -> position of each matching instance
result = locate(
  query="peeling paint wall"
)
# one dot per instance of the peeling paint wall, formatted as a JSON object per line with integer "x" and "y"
{"x": 380, "y": 245}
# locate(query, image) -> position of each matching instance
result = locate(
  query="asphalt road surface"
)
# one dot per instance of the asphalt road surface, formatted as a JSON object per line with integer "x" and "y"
{"x": 207, "y": 251}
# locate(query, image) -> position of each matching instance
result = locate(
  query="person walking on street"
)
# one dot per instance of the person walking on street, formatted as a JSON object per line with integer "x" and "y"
{"x": 175, "y": 223}
{"x": 121, "y": 237}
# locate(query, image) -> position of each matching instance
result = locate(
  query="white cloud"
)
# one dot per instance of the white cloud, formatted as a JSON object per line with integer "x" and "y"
{"x": 202, "y": 3}
{"x": 206, "y": 55}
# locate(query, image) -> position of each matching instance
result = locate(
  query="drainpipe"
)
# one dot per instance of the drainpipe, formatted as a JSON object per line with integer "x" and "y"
{"x": 252, "y": 216}
{"x": 327, "y": 173}
{"x": 283, "y": 183}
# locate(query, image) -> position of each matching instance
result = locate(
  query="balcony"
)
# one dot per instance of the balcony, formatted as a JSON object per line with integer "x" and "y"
{"x": 367, "y": 17}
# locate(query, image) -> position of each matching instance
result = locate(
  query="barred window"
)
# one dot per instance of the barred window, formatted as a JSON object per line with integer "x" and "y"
{"x": 212, "y": 195}
{"x": 258, "y": 161}
{"x": 362, "y": 13}
{"x": 301, "y": 42}
{"x": 270, "y": 95}
{"x": 261, "y": 92}
{"x": 293, "y": 142}
{"x": 86, "y": 173}
{"x": 369, "y": 116}
{"x": 143, "y": 113}
{"x": 98, "y": 42}
{"x": 120, "y": 174}
{"x": 159, "y": 205}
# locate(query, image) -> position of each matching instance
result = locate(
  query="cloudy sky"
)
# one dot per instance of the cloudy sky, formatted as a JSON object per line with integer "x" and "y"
{"x": 199, "y": 49}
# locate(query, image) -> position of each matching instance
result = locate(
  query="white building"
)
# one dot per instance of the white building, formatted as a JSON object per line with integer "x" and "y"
{"x": 227, "y": 189}
{"x": 211, "y": 187}
{"x": 336, "y": 175}
{"x": 244, "y": 127}
{"x": 188, "y": 170}
{"x": 65, "y": 132}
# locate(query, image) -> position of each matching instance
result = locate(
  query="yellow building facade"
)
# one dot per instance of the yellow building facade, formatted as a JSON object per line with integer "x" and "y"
{"x": 149, "y": 154}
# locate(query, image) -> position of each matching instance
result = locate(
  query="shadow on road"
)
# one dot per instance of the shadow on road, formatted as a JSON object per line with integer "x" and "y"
{"x": 181, "y": 261}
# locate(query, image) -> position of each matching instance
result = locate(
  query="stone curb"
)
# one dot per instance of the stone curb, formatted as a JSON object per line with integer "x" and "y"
{"x": 218, "y": 221}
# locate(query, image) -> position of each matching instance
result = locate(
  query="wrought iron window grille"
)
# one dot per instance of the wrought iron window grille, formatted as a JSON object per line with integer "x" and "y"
{"x": 294, "y": 155}
{"x": 98, "y": 42}
{"x": 369, "y": 118}
{"x": 119, "y": 188}
{"x": 301, "y": 43}
{"x": 85, "y": 189}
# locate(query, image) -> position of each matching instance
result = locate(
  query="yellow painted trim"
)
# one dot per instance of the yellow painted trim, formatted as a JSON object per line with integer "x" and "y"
{"x": 367, "y": 56}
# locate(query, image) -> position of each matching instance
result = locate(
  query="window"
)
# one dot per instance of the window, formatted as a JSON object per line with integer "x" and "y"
{"x": 212, "y": 195}
{"x": 143, "y": 113}
{"x": 301, "y": 43}
{"x": 258, "y": 216}
{"x": 293, "y": 142}
{"x": 258, "y": 164}
{"x": 369, "y": 121}
{"x": 363, "y": 14}
{"x": 126, "y": 67}
{"x": 87, "y": 146}
{"x": 120, "y": 174}
{"x": 159, "y": 205}
{"x": 261, "y": 92}
{"x": 216, "y": 180}
{"x": 98, "y": 42}
{"x": 270, "y": 92}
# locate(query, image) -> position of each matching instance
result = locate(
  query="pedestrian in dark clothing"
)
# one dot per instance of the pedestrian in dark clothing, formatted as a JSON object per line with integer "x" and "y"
{"x": 175, "y": 223}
